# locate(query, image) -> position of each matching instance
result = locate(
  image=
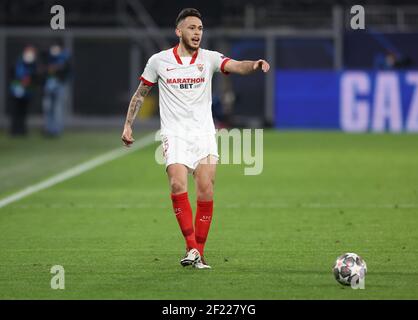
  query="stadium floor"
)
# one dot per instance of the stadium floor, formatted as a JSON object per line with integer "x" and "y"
{"x": 273, "y": 236}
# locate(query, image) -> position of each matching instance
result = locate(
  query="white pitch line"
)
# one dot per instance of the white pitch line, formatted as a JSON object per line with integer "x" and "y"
{"x": 79, "y": 169}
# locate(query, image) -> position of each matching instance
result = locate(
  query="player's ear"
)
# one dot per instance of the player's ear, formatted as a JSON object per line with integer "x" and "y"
{"x": 178, "y": 32}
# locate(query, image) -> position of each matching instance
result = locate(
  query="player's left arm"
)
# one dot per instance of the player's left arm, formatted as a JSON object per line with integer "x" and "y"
{"x": 246, "y": 66}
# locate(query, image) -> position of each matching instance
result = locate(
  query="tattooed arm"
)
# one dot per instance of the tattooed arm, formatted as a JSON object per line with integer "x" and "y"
{"x": 134, "y": 106}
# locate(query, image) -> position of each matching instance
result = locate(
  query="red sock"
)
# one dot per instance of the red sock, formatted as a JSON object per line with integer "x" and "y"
{"x": 202, "y": 223}
{"x": 184, "y": 215}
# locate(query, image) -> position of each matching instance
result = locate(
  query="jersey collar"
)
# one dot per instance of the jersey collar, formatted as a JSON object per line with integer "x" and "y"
{"x": 179, "y": 59}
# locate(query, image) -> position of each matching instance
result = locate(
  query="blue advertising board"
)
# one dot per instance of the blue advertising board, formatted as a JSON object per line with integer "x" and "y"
{"x": 350, "y": 100}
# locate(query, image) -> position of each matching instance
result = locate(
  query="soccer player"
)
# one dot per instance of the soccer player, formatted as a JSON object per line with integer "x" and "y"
{"x": 184, "y": 74}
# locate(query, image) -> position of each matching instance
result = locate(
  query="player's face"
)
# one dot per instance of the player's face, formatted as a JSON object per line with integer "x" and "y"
{"x": 190, "y": 30}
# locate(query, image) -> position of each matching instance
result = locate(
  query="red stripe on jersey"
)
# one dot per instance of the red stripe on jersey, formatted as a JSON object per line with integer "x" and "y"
{"x": 223, "y": 66}
{"x": 148, "y": 83}
{"x": 194, "y": 56}
{"x": 176, "y": 55}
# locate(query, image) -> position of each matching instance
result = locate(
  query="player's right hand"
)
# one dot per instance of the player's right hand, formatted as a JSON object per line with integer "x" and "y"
{"x": 127, "y": 136}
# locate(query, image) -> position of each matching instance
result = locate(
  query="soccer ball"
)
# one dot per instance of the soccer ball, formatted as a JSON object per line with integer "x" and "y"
{"x": 349, "y": 269}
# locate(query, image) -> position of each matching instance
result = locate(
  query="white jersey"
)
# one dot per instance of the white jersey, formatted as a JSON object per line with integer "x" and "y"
{"x": 185, "y": 85}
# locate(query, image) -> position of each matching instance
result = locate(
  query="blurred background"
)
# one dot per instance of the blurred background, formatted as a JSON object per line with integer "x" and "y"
{"x": 324, "y": 75}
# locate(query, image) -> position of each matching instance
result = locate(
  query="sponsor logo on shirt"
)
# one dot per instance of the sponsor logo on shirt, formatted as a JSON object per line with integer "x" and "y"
{"x": 185, "y": 83}
{"x": 185, "y": 80}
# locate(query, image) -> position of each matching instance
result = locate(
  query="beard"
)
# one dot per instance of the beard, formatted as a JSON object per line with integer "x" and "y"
{"x": 188, "y": 45}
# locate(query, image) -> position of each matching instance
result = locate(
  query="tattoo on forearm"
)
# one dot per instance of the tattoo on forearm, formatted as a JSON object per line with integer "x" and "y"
{"x": 136, "y": 103}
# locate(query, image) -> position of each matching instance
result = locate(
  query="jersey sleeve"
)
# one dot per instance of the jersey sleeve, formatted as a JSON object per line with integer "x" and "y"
{"x": 218, "y": 61}
{"x": 150, "y": 74}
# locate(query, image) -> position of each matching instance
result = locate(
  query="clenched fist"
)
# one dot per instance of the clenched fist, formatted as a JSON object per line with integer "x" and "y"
{"x": 127, "y": 136}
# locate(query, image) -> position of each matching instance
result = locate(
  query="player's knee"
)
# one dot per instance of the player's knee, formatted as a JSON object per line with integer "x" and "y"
{"x": 205, "y": 191}
{"x": 177, "y": 186}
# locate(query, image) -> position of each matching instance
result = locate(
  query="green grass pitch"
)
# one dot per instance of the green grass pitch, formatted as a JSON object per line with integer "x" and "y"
{"x": 273, "y": 236}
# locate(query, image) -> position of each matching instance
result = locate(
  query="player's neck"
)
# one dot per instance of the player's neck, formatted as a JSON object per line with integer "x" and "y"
{"x": 182, "y": 51}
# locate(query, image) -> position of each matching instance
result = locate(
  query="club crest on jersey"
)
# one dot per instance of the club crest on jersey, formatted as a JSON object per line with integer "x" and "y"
{"x": 200, "y": 67}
